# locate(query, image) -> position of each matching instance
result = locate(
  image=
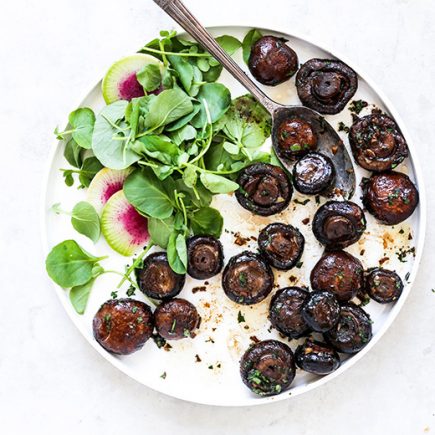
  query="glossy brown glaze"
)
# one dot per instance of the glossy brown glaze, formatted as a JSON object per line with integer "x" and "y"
{"x": 383, "y": 285}
{"x": 281, "y": 245}
{"x": 326, "y": 85}
{"x": 268, "y": 367}
{"x": 176, "y": 319}
{"x": 353, "y": 330}
{"x": 338, "y": 224}
{"x": 264, "y": 189}
{"x": 391, "y": 197}
{"x": 340, "y": 273}
{"x": 313, "y": 174}
{"x": 377, "y": 143}
{"x": 156, "y": 278}
{"x": 285, "y": 311}
{"x": 205, "y": 257}
{"x": 317, "y": 357}
{"x": 247, "y": 278}
{"x": 295, "y": 138}
{"x": 122, "y": 326}
{"x": 272, "y": 61}
{"x": 321, "y": 311}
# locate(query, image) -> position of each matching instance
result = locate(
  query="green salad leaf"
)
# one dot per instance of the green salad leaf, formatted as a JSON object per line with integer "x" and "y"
{"x": 110, "y": 141}
{"x": 167, "y": 107}
{"x": 248, "y": 41}
{"x": 69, "y": 265}
{"x": 149, "y": 77}
{"x": 85, "y": 220}
{"x": 207, "y": 220}
{"x": 148, "y": 195}
{"x": 82, "y": 121}
{"x": 218, "y": 100}
{"x": 79, "y": 295}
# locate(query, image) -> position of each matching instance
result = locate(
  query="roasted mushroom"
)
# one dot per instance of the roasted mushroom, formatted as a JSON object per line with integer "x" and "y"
{"x": 321, "y": 311}
{"x": 295, "y": 138}
{"x": 271, "y": 61}
{"x": 377, "y": 143}
{"x": 285, "y": 311}
{"x": 340, "y": 273}
{"x": 391, "y": 197}
{"x": 338, "y": 224}
{"x": 205, "y": 257}
{"x": 268, "y": 367}
{"x": 281, "y": 245}
{"x": 156, "y": 278}
{"x": 353, "y": 330}
{"x": 122, "y": 326}
{"x": 313, "y": 174}
{"x": 326, "y": 85}
{"x": 264, "y": 189}
{"x": 247, "y": 279}
{"x": 176, "y": 319}
{"x": 383, "y": 285}
{"x": 316, "y": 357}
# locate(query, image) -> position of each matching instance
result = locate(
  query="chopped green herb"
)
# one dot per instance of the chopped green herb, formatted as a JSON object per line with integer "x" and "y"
{"x": 243, "y": 279}
{"x": 134, "y": 309}
{"x": 130, "y": 291}
{"x": 163, "y": 375}
{"x": 114, "y": 294}
{"x": 240, "y": 317}
{"x": 299, "y": 264}
{"x": 174, "y": 324}
{"x": 357, "y": 105}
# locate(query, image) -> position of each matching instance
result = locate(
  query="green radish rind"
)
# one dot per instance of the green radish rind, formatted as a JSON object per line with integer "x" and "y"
{"x": 122, "y": 68}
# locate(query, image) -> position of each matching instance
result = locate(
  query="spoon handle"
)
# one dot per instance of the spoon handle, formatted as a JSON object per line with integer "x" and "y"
{"x": 176, "y": 10}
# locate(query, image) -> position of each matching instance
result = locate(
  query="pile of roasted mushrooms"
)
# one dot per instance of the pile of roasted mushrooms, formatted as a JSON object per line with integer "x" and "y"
{"x": 327, "y": 315}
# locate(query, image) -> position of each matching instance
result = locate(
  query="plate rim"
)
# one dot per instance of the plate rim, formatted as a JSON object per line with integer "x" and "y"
{"x": 419, "y": 245}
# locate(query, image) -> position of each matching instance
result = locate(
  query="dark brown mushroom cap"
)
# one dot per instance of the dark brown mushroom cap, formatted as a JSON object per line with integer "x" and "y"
{"x": 313, "y": 174}
{"x": 247, "y": 279}
{"x": 353, "y": 330}
{"x": 338, "y": 224}
{"x": 377, "y": 143}
{"x": 205, "y": 257}
{"x": 122, "y": 326}
{"x": 383, "y": 285}
{"x": 176, "y": 319}
{"x": 326, "y": 85}
{"x": 281, "y": 245}
{"x": 268, "y": 367}
{"x": 272, "y": 61}
{"x": 295, "y": 138}
{"x": 316, "y": 357}
{"x": 321, "y": 311}
{"x": 264, "y": 189}
{"x": 391, "y": 197}
{"x": 156, "y": 278}
{"x": 340, "y": 273}
{"x": 285, "y": 311}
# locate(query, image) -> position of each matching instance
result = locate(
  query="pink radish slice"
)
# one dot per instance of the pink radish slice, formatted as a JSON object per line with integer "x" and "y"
{"x": 124, "y": 228}
{"x": 104, "y": 185}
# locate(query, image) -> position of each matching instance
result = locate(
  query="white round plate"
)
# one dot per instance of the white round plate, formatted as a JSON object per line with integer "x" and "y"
{"x": 215, "y": 379}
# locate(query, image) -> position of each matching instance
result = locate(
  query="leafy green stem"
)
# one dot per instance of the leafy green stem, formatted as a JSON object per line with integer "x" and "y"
{"x": 135, "y": 263}
{"x": 171, "y": 53}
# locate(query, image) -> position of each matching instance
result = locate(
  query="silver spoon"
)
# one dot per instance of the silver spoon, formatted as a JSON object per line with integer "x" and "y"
{"x": 329, "y": 143}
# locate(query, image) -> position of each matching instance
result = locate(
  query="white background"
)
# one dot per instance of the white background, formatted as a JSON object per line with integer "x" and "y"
{"x": 51, "y": 380}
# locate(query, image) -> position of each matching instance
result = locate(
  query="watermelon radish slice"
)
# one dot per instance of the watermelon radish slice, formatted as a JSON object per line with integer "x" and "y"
{"x": 120, "y": 82}
{"x": 123, "y": 227}
{"x": 105, "y": 184}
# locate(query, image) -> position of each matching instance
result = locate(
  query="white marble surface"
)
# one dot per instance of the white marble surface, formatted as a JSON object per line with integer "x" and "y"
{"x": 51, "y": 380}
